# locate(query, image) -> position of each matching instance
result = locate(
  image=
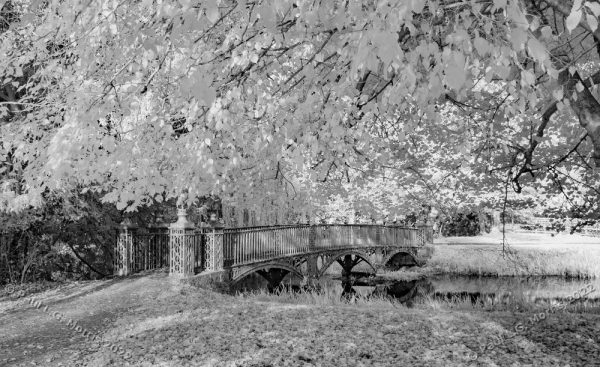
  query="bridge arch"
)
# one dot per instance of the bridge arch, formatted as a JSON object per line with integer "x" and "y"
{"x": 265, "y": 270}
{"x": 401, "y": 257}
{"x": 329, "y": 260}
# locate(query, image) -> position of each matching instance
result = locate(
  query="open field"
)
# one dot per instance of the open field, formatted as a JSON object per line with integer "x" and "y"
{"x": 529, "y": 254}
{"x": 157, "y": 320}
{"x": 523, "y": 239}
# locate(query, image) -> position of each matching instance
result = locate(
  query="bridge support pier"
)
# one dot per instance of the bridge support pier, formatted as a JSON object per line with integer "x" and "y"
{"x": 348, "y": 263}
{"x": 274, "y": 276}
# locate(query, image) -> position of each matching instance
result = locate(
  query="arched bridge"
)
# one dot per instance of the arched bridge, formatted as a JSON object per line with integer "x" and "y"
{"x": 271, "y": 251}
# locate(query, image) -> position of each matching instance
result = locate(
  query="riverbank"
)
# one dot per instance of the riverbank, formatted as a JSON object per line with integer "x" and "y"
{"x": 527, "y": 254}
{"x": 157, "y": 320}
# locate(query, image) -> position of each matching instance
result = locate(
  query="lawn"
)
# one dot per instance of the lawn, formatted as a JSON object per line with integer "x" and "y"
{"x": 528, "y": 254}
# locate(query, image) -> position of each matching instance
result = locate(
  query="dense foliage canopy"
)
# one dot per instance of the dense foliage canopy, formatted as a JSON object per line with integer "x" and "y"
{"x": 445, "y": 102}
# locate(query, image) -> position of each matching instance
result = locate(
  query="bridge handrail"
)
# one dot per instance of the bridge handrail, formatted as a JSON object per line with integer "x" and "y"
{"x": 244, "y": 246}
{"x": 263, "y": 228}
{"x": 213, "y": 249}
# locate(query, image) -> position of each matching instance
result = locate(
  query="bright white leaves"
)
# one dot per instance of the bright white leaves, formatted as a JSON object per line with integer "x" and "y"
{"x": 575, "y": 16}
{"x": 537, "y": 50}
{"x": 198, "y": 86}
{"x": 417, "y": 5}
{"x": 528, "y": 77}
{"x": 499, "y": 4}
{"x": 212, "y": 10}
{"x": 482, "y": 46}
{"x": 592, "y": 21}
{"x": 594, "y": 7}
{"x": 456, "y": 75}
{"x": 592, "y": 14}
{"x": 546, "y": 33}
{"x": 518, "y": 38}
{"x": 388, "y": 49}
{"x": 267, "y": 15}
{"x": 257, "y": 104}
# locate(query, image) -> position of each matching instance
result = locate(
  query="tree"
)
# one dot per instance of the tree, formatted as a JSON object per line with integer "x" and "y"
{"x": 139, "y": 100}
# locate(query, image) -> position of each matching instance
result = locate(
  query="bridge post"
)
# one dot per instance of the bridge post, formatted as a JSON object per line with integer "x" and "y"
{"x": 425, "y": 233}
{"x": 124, "y": 250}
{"x": 311, "y": 261}
{"x": 181, "y": 245}
{"x": 214, "y": 248}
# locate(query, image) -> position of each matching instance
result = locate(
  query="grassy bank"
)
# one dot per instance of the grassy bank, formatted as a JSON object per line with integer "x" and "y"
{"x": 159, "y": 321}
{"x": 527, "y": 255}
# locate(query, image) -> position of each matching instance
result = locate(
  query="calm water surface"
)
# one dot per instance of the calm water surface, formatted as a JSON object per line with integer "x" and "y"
{"x": 490, "y": 290}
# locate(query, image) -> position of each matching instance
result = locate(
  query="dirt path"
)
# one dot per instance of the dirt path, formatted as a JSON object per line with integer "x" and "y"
{"x": 35, "y": 336}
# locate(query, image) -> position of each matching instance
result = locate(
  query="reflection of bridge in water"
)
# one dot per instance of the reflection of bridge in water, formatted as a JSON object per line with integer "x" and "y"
{"x": 273, "y": 252}
{"x": 410, "y": 291}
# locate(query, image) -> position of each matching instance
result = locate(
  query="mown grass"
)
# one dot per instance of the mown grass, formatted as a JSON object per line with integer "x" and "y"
{"x": 490, "y": 260}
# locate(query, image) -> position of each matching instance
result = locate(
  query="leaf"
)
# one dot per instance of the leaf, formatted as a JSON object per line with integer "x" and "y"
{"x": 212, "y": 11}
{"x": 482, "y": 46}
{"x": 558, "y": 94}
{"x": 592, "y": 21}
{"x": 572, "y": 69}
{"x": 455, "y": 72}
{"x": 594, "y": 7}
{"x": 546, "y": 32}
{"x": 579, "y": 87}
{"x": 518, "y": 37}
{"x": 528, "y": 77}
{"x": 537, "y": 50}
{"x": 418, "y": 5}
{"x": 573, "y": 20}
{"x": 499, "y": 4}
{"x": 267, "y": 15}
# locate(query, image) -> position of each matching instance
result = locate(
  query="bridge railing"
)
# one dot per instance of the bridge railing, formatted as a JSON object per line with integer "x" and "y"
{"x": 150, "y": 251}
{"x": 243, "y": 246}
{"x": 368, "y": 235}
{"x": 210, "y": 249}
{"x": 139, "y": 250}
{"x": 251, "y": 245}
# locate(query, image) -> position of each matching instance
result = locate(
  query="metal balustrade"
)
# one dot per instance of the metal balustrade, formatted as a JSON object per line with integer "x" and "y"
{"x": 210, "y": 249}
{"x": 150, "y": 251}
{"x": 246, "y": 246}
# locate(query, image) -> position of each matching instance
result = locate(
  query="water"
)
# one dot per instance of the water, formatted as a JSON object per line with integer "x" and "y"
{"x": 485, "y": 290}
{"x": 482, "y": 290}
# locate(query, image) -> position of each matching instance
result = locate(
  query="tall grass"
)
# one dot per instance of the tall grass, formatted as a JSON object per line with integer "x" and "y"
{"x": 326, "y": 295}
{"x": 486, "y": 260}
{"x": 330, "y": 295}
